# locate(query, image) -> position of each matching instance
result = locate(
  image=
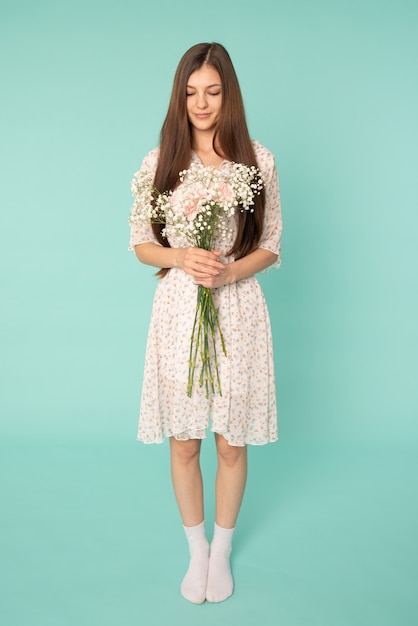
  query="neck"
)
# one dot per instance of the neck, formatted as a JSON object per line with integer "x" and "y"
{"x": 202, "y": 143}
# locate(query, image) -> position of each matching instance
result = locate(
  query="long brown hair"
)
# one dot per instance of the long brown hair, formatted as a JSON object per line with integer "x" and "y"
{"x": 231, "y": 135}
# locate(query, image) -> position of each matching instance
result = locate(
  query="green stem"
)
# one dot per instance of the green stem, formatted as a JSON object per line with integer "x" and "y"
{"x": 205, "y": 324}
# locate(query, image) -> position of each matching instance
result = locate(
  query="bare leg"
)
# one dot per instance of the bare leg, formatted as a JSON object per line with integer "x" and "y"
{"x": 230, "y": 485}
{"x": 187, "y": 479}
{"x": 188, "y": 489}
{"x": 230, "y": 481}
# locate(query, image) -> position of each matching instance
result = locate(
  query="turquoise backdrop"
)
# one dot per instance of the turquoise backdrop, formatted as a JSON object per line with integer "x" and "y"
{"x": 327, "y": 534}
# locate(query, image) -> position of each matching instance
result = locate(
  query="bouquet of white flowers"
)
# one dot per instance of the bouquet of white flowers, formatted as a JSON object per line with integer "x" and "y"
{"x": 198, "y": 210}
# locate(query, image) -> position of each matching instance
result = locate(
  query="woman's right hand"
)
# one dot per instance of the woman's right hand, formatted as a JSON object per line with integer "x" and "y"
{"x": 200, "y": 263}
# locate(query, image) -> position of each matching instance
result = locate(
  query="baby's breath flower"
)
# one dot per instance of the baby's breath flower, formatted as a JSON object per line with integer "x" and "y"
{"x": 198, "y": 210}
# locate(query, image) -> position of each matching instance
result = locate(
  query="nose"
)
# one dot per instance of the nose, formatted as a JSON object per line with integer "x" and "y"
{"x": 201, "y": 101}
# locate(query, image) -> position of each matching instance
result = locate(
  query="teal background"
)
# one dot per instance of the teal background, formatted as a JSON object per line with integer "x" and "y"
{"x": 90, "y": 531}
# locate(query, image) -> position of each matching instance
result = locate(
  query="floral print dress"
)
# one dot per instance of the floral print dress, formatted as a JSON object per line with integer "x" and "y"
{"x": 246, "y": 412}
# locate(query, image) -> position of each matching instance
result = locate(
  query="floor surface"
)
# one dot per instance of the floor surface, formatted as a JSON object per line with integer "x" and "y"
{"x": 91, "y": 536}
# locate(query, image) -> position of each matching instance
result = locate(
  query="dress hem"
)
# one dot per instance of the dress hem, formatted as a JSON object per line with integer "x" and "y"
{"x": 225, "y": 435}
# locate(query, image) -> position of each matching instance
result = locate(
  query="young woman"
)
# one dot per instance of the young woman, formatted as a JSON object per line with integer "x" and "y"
{"x": 205, "y": 125}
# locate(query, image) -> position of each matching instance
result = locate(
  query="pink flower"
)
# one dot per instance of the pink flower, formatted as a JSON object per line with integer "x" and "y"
{"x": 191, "y": 208}
{"x": 227, "y": 193}
{"x": 193, "y": 200}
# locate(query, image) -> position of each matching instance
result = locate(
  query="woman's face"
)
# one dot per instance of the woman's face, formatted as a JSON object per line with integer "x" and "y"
{"x": 204, "y": 98}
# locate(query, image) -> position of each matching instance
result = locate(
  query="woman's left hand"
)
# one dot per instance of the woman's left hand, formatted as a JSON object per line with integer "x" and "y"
{"x": 233, "y": 271}
{"x": 221, "y": 279}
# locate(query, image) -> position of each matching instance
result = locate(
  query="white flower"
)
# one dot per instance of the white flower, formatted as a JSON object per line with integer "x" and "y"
{"x": 204, "y": 193}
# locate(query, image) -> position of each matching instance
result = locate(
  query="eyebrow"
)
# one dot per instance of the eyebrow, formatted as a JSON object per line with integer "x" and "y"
{"x": 208, "y": 86}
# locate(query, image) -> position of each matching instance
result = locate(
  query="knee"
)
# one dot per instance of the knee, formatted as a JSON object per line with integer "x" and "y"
{"x": 185, "y": 452}
{"x": 230, "y": 455}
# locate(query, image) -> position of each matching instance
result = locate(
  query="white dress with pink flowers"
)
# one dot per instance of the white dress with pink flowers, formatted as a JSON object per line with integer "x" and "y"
{"x": 246, "y": 411}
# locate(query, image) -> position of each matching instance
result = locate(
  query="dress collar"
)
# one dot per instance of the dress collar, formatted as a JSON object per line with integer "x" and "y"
{"x": 196, "y": 159}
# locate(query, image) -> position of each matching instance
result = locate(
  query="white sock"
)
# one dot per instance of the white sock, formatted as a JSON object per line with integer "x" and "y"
{"x": 193, "y": 587}
{"x": 220, "y": 583}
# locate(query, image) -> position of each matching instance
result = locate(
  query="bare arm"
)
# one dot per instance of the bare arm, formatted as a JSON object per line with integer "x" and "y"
{"x": 249, "y": 265}
{"x": 199, "y": 263}
{"x": 205, "y": 266}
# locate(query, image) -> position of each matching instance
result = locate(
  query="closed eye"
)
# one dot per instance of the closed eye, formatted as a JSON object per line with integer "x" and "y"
{"x": 210, "y": 93}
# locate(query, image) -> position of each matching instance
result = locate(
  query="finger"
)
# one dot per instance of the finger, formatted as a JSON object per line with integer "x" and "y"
{"x": 204, "y": 272}
{"x": 211, "y": 268}
{"x": 207, "y": 262}
{"x": 211, "y": 282}
{"x": 200, "y": 270}
{"x": 200, "y": 276}
{"x": 206, "y": 254}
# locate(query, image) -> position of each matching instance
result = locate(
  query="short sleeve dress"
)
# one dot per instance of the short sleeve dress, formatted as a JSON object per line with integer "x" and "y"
{"x": 246, "y": 412}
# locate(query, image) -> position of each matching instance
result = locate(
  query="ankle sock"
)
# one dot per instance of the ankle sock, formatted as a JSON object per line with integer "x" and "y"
{"x": 220, "y": 584}
{"x": 193, "y": 587}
